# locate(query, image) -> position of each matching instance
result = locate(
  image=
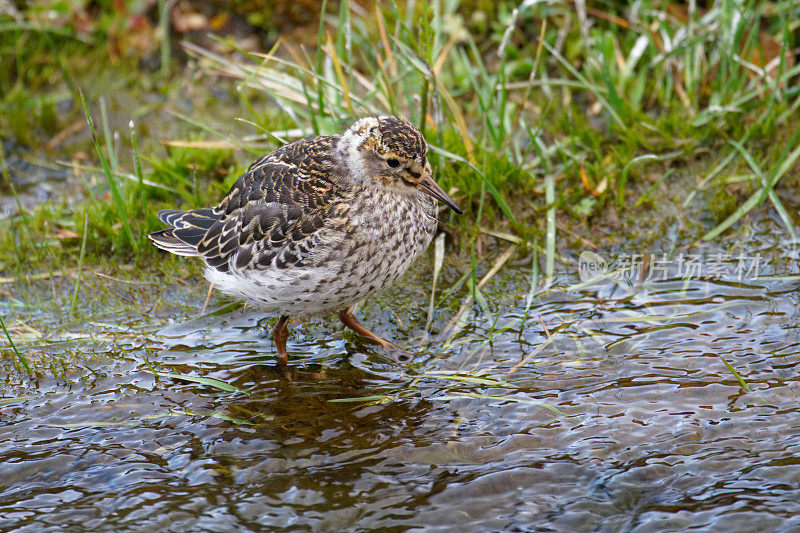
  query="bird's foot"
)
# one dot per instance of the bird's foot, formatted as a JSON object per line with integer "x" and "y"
{"x": 398, "y": 354}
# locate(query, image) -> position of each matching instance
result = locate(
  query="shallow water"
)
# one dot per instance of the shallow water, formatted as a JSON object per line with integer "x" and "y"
{"x": 609, "y": 408}
{"x": 35, "y": 180}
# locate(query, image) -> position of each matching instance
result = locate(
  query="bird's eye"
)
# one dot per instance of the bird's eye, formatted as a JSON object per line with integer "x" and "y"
{"x": 394, "y": 163}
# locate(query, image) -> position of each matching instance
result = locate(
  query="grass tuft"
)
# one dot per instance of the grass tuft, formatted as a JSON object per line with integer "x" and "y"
{"x": 536, "y": 120}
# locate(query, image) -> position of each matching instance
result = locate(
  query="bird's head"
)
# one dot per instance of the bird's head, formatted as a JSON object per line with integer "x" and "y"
{"x": 391, "y": 151}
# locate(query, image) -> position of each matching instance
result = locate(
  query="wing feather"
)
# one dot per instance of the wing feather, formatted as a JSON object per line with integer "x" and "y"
{"x": 267, "y": 217}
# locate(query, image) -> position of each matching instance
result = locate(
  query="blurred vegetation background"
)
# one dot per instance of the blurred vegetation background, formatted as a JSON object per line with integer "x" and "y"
{"x": 555, "y": 123}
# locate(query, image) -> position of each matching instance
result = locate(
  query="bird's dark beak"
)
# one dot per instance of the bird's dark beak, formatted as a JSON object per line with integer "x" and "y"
{"x": 432, "y": 188}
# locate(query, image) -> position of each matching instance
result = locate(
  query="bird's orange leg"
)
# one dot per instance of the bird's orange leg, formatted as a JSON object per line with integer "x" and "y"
{"x": 280, "y": 333}
{"x": 348, "y": 319}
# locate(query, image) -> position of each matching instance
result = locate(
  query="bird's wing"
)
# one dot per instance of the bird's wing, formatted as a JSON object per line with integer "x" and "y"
{"x": 269, "y": 216}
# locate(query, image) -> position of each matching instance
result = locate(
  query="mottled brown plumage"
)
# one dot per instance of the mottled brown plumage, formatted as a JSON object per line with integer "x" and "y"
{"x": 318, "y": 224}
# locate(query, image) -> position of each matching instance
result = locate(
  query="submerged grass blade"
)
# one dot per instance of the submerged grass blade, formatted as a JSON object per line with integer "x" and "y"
{"x": 461, "y": 395}
{"x": 74, "y": 303}
{"x": 550, "y": 236}
{"x": 537, "y": 351}
{"x": 378, "y": 398}
{"x": 213, "y": 414}
{"x": 18, "y": 399}
{"x": 438, "y": 259}
{"x": 736, "y": 375}
{"x": 458, "y": 321}
{"x": 532, "y": 289}
{"x": 211, "y": 382}
{"x": 454, "y": 376}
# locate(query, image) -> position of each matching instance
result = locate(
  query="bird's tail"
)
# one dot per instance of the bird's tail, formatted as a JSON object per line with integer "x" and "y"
{"x": 187, "y": 230}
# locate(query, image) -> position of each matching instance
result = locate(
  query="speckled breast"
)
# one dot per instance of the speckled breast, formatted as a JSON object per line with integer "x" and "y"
{"x": 386, "y": 235}
{"x": 383, "y": 236}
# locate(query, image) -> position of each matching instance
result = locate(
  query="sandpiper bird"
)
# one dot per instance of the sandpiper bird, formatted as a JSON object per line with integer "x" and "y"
{"x": 319, "y": 224}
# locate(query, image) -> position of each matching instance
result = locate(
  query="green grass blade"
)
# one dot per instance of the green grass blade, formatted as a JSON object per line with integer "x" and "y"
{"x": 320, "y": 45}
{"x": 586, "y": 84}
{"x": 20, "y": 357}
{"x": 626, "y": 169}
{"x": 653, "y": 187}
{"x": 163, "y": 28}
{"x": 205, "y": 127}
{"x": 140, "y": 198}
{"x": 767, "y": 185}
{"x": 112, "y": 184}
{"x": 757, "y": 197}
{"x": 74, "y": 303}
{"x": 498, "y": 198}
{"x": 109, "y": 137}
